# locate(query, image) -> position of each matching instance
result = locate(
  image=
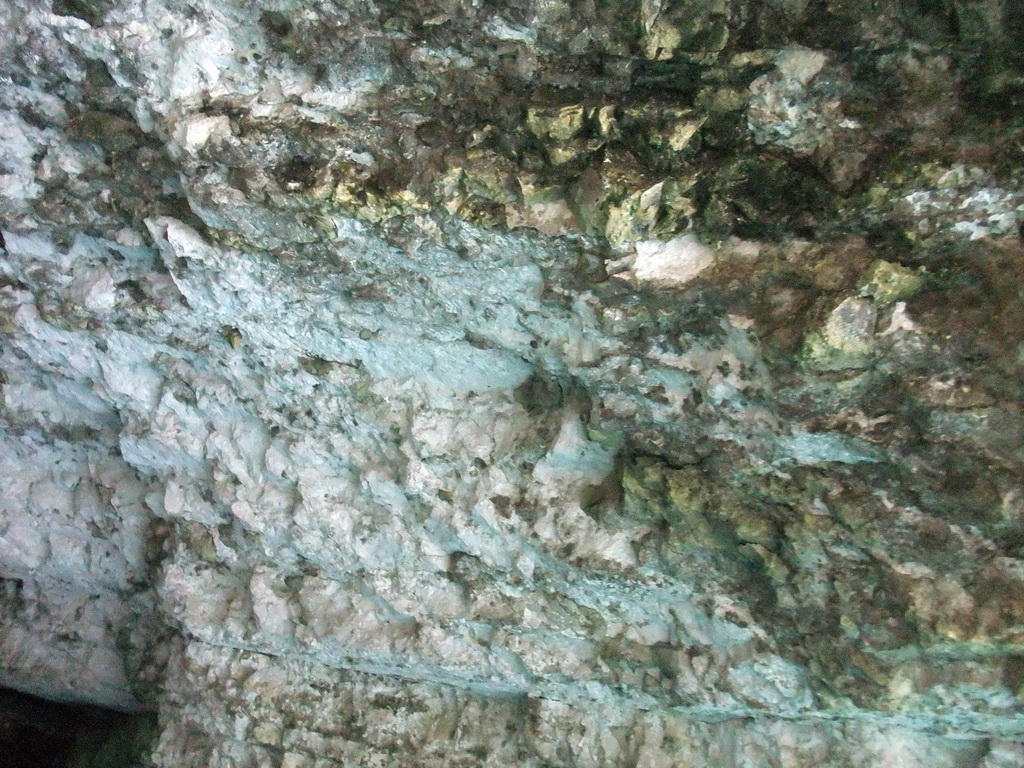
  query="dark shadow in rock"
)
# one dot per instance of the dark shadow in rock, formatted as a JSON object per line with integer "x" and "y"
{"x": 89, "y": 11}
{"x": 46, "y": 734}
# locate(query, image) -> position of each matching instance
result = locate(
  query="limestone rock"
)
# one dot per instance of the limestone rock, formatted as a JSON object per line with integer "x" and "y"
{"x": 534, "y": 384}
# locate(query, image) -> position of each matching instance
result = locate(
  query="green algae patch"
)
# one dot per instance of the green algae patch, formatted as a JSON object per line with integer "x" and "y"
{"x": 846, "y": 341}
{"x": 887, "y": 283}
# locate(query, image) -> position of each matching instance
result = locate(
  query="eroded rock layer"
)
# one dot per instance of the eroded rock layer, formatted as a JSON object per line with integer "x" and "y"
{"x": 534, "y": 383}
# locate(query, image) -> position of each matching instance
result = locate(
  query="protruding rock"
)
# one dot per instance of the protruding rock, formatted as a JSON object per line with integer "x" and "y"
{"x": 672, "y": 263}
{"x": 846, "y": 340}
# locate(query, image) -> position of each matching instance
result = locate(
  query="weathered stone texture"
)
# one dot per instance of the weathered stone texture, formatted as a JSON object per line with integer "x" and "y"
{"x": 534, "y": 383}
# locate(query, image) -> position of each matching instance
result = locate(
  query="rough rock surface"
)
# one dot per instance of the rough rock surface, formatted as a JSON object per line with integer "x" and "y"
{"x": 521, "y": 383}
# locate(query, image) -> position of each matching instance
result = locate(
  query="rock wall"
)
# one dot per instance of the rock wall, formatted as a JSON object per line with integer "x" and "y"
{"x": 534, "y": 383}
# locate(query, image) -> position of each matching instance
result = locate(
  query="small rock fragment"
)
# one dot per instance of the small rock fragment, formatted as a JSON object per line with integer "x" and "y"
{"x": 676, "y": 262}
{"x": 847, "y": 339}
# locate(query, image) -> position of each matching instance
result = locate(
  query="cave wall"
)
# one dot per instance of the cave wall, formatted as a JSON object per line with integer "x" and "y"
{"x": 535, "y": 383}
